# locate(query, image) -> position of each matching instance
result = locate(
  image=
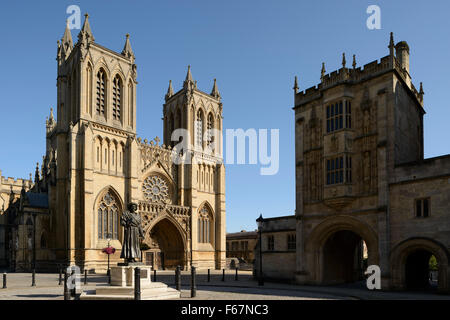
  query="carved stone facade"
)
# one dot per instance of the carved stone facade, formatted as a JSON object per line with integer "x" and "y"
{"x": 95, "y": 165}
{"x": 362, "y": 181}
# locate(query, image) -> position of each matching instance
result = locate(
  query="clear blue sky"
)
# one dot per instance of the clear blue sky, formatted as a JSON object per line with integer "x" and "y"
{"x": 253, "y": 48}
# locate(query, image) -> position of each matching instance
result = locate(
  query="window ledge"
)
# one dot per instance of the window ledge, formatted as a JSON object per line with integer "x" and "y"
{"x": 103, "y": 243}
{"x": 205, "y": 247}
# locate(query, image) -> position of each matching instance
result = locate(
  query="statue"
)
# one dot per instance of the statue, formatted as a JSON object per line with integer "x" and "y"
{"x": 131, "y": 221}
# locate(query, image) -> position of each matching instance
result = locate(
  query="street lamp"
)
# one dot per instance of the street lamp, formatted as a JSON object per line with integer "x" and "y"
{"x": 109, "y": 240}
{"x": 34, "y": 250}
{"x": 260, "y": 221}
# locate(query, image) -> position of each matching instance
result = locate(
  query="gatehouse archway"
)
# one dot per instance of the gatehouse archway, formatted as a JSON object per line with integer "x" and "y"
{"x": 410, "y": 263}
{"x": 343, "y": 258}
{"x": 339, "y": 249}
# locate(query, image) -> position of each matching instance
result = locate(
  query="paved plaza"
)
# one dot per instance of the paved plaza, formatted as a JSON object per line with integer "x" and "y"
{"x": 245, "y": 288}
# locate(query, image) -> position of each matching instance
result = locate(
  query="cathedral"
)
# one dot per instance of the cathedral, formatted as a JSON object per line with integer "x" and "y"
{"x": 95, "y": 165}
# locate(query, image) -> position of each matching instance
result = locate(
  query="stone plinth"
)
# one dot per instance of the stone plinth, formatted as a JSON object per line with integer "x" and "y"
{"x": 124, "y": 275}
{"x": 122, "y": 286}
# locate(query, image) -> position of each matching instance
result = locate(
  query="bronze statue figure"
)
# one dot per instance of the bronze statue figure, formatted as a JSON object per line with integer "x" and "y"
{"x": 131, "y": 221}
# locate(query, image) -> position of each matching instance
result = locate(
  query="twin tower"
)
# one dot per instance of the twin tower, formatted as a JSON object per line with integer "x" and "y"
{"x": 101, "y": 165}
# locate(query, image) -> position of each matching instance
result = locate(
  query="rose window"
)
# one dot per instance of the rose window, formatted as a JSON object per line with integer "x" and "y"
{"x": 155, "y": 189}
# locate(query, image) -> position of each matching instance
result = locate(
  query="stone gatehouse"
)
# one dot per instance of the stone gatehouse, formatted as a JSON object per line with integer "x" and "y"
{"x": 362, "y": 181}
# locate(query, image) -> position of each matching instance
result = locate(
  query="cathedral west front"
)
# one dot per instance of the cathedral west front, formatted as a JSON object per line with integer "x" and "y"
{"x": 95, "y": 165}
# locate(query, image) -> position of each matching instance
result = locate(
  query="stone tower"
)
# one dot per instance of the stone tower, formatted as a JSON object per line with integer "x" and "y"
{"x": 202, "y": 177}
{"x": 365, "y": 193}
{"x": 94, "y": 137}
{"x": 353, "y": 131}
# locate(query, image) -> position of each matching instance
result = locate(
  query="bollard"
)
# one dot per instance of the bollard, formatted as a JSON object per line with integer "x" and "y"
{"x": 154, "y": 275}
{"x": 66, "y": 289}
{"x": 33, "y": 278}
{"x": 176, "y": 275}
{"x": 193, "y": 283}
{"x": 137, "y": 283}
{"x": 209, "y": 275}
{"x": 178, "y": 278}
{"x": 60, "y": 276}
{"x": 223, "y": 274}
{"x": 85, "y": 276}
{"x": 4, "y": 280}
{"x": 73, "y": 291}
{"x": 236, "y": 275}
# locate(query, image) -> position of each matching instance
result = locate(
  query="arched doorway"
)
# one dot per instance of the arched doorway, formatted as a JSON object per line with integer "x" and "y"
{"x": 339, "y": 249}
{"x": 417, "y": 270}
{"x": 166, "y": 246}
{"x": 415, "y": 260}
{"x": 343, "y": 258}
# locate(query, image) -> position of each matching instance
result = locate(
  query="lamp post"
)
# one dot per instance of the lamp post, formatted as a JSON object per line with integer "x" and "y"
{"x": 109, "y": 240}
{"x": 33, "y": 284}
{"x": 260, "y": 221}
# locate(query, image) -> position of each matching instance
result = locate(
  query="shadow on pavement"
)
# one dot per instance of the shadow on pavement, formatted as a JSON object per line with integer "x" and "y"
{"x": 266, "y": 292}
{"x": 37, "y": 296}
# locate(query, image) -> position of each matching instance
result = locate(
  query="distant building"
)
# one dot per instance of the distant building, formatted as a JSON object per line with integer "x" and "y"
{"x": 362, "y": 180}
{"x": 278, "y": 248}
{"x": 241, "y": 245}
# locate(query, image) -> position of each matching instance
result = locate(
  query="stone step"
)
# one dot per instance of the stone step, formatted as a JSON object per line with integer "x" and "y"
{"x": 169, "y": 294}
{"x": 151, "y": 291}
{"x": 90, "y": 295}
{"x": 127, "y": 290}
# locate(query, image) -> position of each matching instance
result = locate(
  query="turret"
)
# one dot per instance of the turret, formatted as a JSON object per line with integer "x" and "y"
{"x": 402, "y": 54}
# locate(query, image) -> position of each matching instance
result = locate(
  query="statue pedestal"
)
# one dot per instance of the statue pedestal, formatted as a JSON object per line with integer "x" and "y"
{"x": 124, "y": 275}
{"x": 122, "y": 286}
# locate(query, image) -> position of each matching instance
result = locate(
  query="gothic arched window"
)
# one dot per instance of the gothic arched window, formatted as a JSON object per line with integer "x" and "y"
{"x": 43, "y": 241}
{"x": 171, "y": 127}
{"x": 199, "y": 129}
{"x": 130, "y": 104}
{"x": 101, "y": 92}
{"x": 210, "y": 127}
{"x": 89, "y": 89}
{"x": 117, "y": 98}
{"x": 108, "y": 218}
{"x": 179, "y": 119}
{"x": 74, "y": 96}
{"x": 204, "y": 225}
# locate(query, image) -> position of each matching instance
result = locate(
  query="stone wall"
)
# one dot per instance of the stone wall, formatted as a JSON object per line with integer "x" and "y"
{"x": 279, "y": 262}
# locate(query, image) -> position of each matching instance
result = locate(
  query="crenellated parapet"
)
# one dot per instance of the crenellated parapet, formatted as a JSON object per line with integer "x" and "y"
{"x": 399, "y": 64}
{"x": 10, "y": 187}
{"x": 7, "y": 182}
